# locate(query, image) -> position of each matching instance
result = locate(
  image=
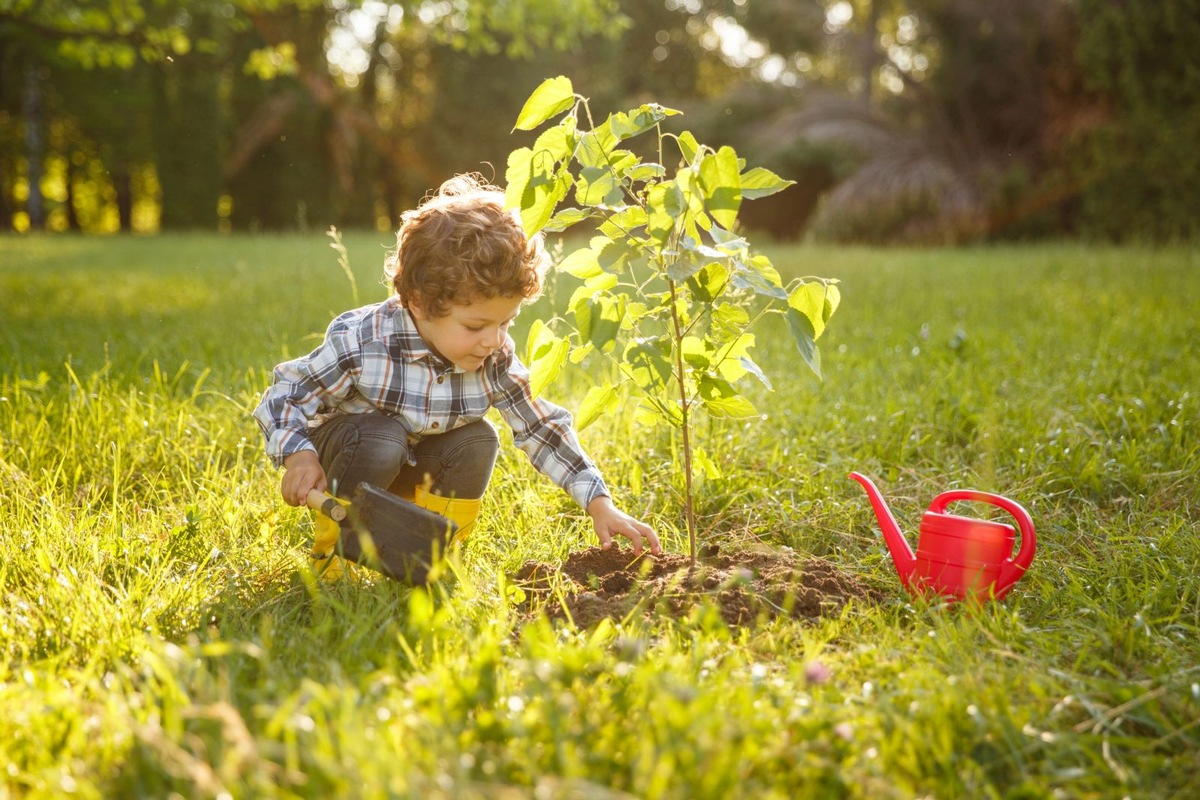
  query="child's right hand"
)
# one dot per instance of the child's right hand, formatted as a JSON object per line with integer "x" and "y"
{"x": 302, "y": 474}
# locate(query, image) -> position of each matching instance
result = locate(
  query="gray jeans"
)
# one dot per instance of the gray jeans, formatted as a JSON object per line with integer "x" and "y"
{"x": 374, "y": 448}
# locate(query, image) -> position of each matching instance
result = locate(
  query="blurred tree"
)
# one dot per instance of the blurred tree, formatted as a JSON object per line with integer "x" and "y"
{"x": 370, "y": 125}
{"x": 188, "y": 129}
{"x": 1141, "y": 164}
{"x": 901, "y": 120}
{"x": 931, "y": 115}
{"x": 283, "y": 174}
{"x": 247, "y": 84}
{"x": 657, "y": 56}
{"x": 90, "y": 58}
{"x": 33, "y": 110}
{"x": 123, "y": 141}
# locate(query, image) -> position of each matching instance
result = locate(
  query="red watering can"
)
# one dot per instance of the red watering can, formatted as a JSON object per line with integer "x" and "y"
{"x": 958, "y": 557}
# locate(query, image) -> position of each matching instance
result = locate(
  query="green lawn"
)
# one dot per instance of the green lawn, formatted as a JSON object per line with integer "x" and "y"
{"x": 161, "y": 635}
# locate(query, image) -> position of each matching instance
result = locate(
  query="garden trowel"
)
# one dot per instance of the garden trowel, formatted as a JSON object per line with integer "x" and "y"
{"x": 387, "y": 533}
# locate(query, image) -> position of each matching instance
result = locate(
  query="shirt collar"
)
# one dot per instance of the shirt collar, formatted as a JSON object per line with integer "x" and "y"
{"x": 409, "y": 345}
{"x": 406, "y": 339}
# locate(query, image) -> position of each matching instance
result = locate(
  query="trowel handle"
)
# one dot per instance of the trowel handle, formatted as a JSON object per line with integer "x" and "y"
{"x": 326, "y": 504}
{"x": 1024, "y": 556}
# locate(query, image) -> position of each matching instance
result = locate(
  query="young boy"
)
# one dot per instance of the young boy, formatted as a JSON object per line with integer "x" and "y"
{"x": 396, "y": 394}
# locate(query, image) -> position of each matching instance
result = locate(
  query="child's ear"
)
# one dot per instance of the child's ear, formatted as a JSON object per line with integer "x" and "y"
{"x": 413, "y": 304}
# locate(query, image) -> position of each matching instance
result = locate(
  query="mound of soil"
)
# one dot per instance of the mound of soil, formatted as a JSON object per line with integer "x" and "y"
{"x": 746, "y": 585}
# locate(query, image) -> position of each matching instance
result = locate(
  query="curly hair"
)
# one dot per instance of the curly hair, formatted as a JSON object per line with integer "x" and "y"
{"x": 461, "y": 245}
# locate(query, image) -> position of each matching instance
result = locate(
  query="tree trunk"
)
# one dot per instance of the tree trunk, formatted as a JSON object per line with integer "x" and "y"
{"x": 72, "y": 211}
{"x": 34, "y": 152}
{"x": 289, "y": 180}
{"x": 188, "y": 137}
{"x": 123, "y": 186}
{"x": 870, "y": 56}
{"x": 7, "y": 203}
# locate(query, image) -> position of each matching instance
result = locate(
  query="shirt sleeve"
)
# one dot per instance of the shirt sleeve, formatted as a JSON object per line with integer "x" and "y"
{"x": 307, "y": 386}
{"x": 543, "y": 430}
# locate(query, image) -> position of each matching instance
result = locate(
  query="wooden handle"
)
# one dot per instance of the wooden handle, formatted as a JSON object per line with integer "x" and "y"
{"x": 319, "y": 501}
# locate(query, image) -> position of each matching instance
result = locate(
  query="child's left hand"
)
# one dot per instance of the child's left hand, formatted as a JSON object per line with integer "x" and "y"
{"x": 609, "y": 520}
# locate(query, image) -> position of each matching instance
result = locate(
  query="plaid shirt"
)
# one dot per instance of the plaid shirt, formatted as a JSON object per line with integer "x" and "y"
{"x": 373, "y": 360}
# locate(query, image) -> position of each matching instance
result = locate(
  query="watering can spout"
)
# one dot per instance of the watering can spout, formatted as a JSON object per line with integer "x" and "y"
{"x": 897, "y": 545}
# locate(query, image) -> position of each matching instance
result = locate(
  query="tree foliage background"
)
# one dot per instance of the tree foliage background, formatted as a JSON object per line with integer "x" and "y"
{"x": 920, "y": 121}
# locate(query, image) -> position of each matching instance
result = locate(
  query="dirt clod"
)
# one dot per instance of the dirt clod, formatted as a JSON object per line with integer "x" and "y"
{"x": 745, "y": 585}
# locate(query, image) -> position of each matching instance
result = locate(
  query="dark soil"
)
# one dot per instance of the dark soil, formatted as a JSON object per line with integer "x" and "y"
{"x": 746, "y": 585}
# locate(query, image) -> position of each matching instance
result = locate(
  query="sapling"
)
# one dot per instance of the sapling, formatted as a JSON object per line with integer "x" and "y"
{"x": 671, "y": 289}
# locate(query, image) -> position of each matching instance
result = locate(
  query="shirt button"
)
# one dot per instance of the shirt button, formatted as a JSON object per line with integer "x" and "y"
{"x": 434, "y": 425}
{"x": 441, "y": 378}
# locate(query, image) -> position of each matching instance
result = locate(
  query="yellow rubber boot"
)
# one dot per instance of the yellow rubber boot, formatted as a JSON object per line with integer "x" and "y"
{"x": 462, "y": 513}
{"x": 325, "y": 538}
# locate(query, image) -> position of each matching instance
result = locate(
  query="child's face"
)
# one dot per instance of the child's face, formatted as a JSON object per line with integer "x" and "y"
{"x": 469, "y": 333}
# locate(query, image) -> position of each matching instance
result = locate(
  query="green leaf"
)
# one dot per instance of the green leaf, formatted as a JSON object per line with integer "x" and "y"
{"x": 604, "y": 317}
{"x": 595, "y": 146}
{"x": 635, "y": 311}
{"x": 682, "y": 311}
{"x": 761, "y": 182}
{"x": 833, "y": 298}
{"x": 810, "y": 299}
{"x": 722, "y": 185}
{"x": 647, "y": 415}
{"x": 730, "y": 318}
{"x": 695, "y": 354}
{"x": 537, "y": 332}
{"x": 765, "y": 268}
{"x": 557, "y": 143}
{"x": 760, "y": 277}
{"x": 601, "y": 185}
{"x": 598, "y": 401}
{"x": 692, "y": 192}
{"x": 647, "y": 364}
{"x": 651, "y": 411}
{"x": 806, "y": 341}
{"x": 517, "y": 175}
{"x": 600, "y": 282}
{"x": 664, "y": 203}
{"x": 693, "y": 258}
{"x": 623, "y": 223}
{"x": 533, "y": 188}
{"x": 581, "y": 263}
{"x": 709, "y": 282}
{"x": 548, "y": 354}
{"x": 554, "y": 96}
{"x": 729, "y": 356}
{"x": 580, "y": 352}
{"x": 546, "y": 198}
{"x": 631, "y": 123}
{"x": 707, "y": 465}
{"x": 613, "y": 255}
{"x": 583, "y": 320}
{"x": 567, "y": 217}
{"x": 514, "y": 594}
{"x": 722, "y": 400}
{"x": 688, "y": 146}
{"x": 645, "y": 172}
{"x": 729, "y": 241}
{"x": 687, "y": 264}
{"x": 755, "y": 370}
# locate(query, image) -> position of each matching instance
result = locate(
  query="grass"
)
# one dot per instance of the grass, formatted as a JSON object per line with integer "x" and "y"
{"x": 160, "y": 637}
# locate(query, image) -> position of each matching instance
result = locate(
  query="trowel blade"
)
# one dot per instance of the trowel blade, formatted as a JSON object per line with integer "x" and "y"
{"x": 393, "y": 536}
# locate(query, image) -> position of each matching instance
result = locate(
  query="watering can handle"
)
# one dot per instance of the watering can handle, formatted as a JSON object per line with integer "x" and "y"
{"x": 1015, "y": 566}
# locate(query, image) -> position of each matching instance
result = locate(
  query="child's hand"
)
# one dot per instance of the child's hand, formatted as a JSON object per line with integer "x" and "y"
{"x": 609, "y": 520}
{"x": 303, "y": 474}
